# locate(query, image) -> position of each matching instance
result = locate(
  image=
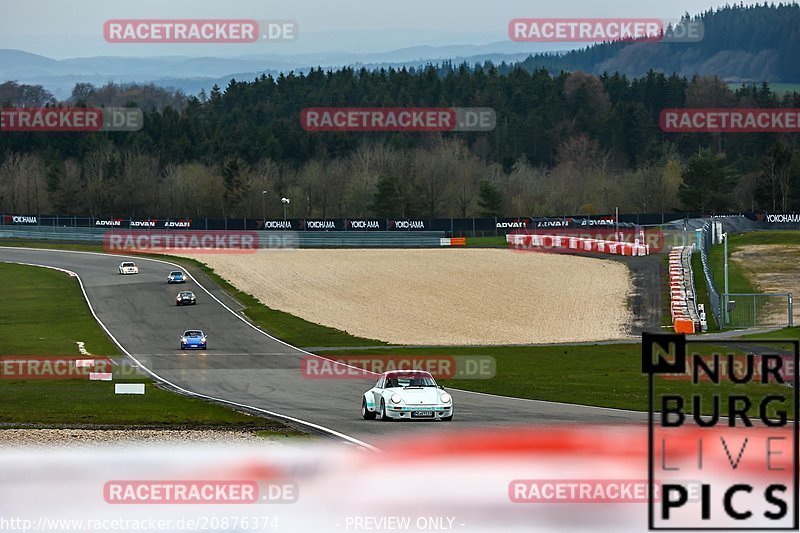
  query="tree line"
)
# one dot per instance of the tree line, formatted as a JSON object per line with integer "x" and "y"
{"x": 566, "y": 143}
{"x": 742, "y": 42}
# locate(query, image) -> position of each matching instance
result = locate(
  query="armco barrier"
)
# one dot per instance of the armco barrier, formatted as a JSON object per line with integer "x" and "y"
{"x": 267, "y": 239}
{"x": 714, "y": 297}
{"x": 686, "y": 318}
{"x": 528, "y": 241}
{"x": 452, "y": 227}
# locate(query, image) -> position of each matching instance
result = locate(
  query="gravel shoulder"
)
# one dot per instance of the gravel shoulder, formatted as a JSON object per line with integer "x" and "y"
{"x": 772, "y": 268}
{"x": 441, "y": 297}
{"x": 64, "y": 437}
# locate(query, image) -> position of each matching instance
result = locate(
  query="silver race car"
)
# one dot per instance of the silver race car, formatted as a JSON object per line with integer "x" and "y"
{"x": 128, "y": 267}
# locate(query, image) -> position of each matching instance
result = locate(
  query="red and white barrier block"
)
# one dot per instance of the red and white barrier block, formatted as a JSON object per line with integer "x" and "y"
{"x": 526, "y": 241}
{"x": 683, "y": 301}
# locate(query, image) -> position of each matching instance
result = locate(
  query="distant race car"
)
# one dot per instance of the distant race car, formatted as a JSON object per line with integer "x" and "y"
{"x": 185, "y": 298}
{"x": 176, "y": 276}
{"x": 128, "y": 267}
{"x": 407, "y": 395}
{"x": 193, "y": 338}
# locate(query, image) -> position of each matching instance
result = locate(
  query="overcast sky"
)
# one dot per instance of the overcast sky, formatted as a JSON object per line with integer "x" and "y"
{"x": 60, "y": 29}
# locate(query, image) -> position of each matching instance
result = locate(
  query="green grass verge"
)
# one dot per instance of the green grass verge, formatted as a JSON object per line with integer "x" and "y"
{"x": 701, "y": 291}
{"x": 79, "y": 402}
{"x": 48, "y": 317}
{"x": 599, "y": 375}
{"x": 52, "y": 245}
{"x": 792, "y": 333}
{"x": 284, "y": 326}
{"x": 487, "y": 242}
{"x": 739, "y": 276}
{"x": 44, "y": 313}
{"x": 738, "y": 280}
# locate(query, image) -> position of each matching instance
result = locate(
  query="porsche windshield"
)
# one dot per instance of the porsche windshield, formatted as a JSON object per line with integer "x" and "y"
{"x": 193, "y": 334}
{"x": 410, "y": 380}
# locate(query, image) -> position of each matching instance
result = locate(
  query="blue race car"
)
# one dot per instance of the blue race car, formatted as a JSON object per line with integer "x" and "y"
{"x": 193, "y": 338}
{"x": 176, "y": 276}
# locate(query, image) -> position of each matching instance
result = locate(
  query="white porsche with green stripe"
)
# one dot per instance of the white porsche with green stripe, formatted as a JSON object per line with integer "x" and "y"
{"x": 407, "y": 395}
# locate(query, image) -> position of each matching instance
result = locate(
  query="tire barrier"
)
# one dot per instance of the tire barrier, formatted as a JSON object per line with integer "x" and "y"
{"x": 683, "y": 300}
{"x": 525, "y": 241}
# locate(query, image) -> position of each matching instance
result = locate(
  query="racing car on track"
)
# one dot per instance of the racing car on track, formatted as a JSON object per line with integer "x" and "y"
{"x": 176, "y": 276}
{"x": 185, "y": 298}
{"x": 193, "y": 338}
{"x": 407, "y": 395}
{"x": 128, "y": 267}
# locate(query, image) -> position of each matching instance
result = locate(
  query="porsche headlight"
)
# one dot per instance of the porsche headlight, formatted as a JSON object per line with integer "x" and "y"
{"x": 445, "y": 397}
{"x": 396, "y": 398}
{"x": 184, "y": 340}
{"x": 203, "y": 340}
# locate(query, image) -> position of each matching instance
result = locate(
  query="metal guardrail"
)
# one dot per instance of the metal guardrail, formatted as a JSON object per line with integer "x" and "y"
{"x": 267, "y": 239}
{"x": 714, "y": 297}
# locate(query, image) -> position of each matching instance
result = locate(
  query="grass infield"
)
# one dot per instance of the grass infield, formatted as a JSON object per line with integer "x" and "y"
{"x": 45, "y": 315}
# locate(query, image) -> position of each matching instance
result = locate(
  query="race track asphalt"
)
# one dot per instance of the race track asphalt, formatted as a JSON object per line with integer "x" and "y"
{"x": 245, "y": 366}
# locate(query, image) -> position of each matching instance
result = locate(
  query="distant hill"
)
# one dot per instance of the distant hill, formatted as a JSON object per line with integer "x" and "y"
{"x": 20, "y": 61}
{"x": 191, "y": 74}
{"x": 741, "y": 43}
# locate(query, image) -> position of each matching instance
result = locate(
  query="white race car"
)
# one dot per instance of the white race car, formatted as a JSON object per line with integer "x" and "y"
{"x": 128, "y": 267}
{"x": 407, "y": 395}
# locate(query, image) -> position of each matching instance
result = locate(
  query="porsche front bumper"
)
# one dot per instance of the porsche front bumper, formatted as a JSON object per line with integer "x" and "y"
{"x": 422, "y": 412}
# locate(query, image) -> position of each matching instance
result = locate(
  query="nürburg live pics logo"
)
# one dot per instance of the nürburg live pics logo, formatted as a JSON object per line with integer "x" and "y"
{"x": 722, "y": 414}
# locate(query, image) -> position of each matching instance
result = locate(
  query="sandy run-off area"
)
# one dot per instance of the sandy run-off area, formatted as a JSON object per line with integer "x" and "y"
{"x": 773, "y": 268}
{"x": 440, "y": 296}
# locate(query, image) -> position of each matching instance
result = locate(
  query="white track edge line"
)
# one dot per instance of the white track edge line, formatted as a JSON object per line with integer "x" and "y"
{"x": 335, "y": 433}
